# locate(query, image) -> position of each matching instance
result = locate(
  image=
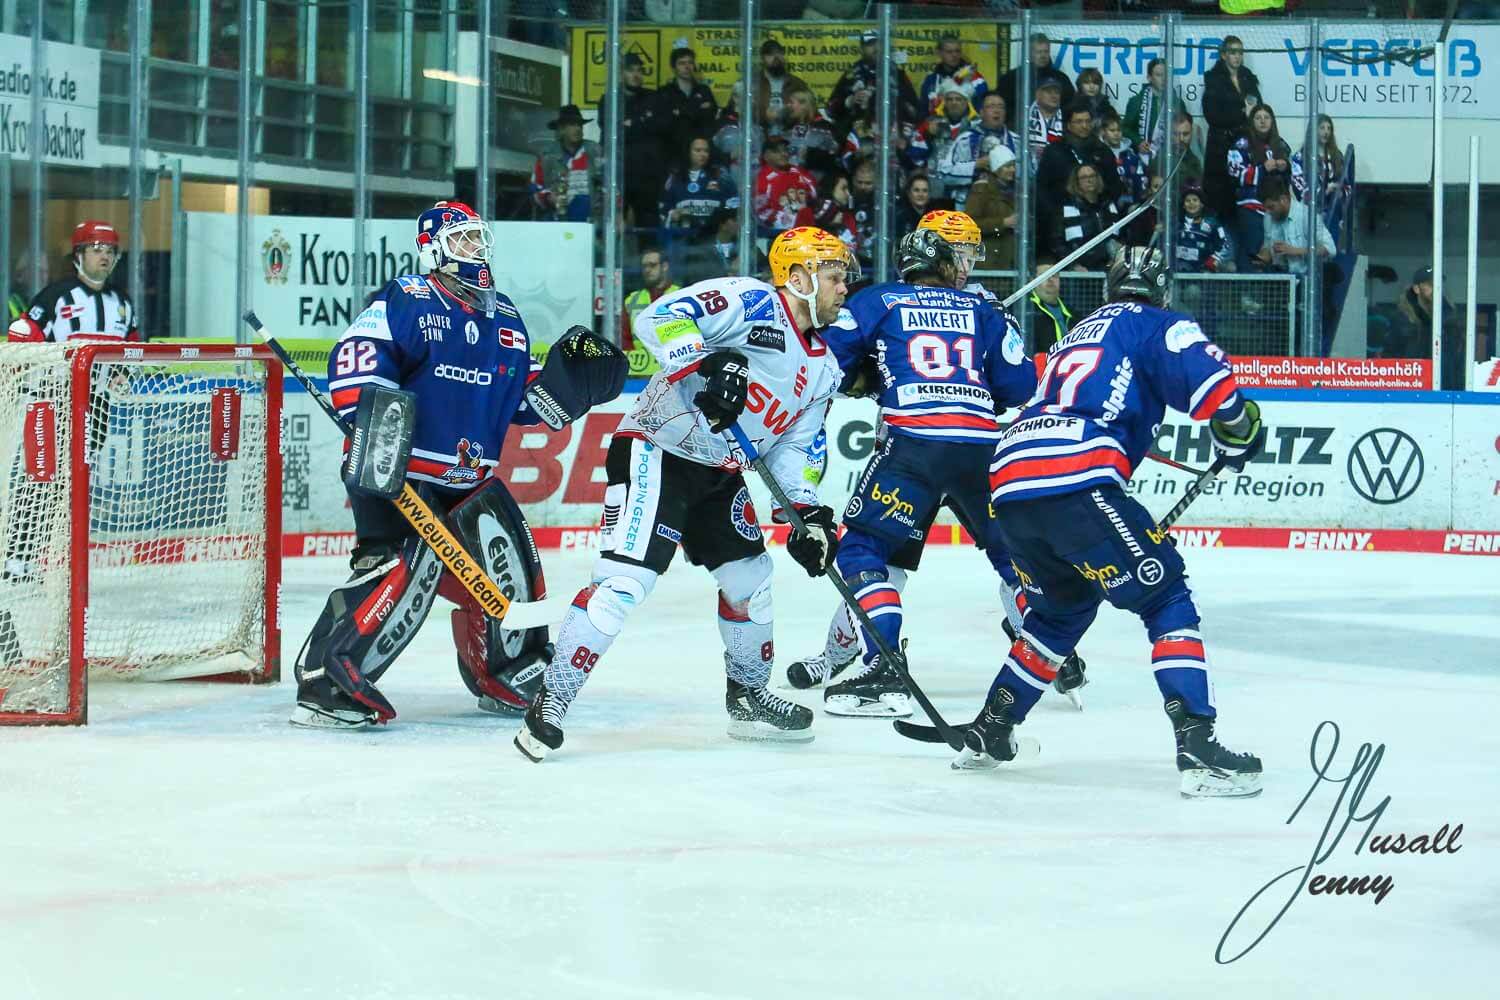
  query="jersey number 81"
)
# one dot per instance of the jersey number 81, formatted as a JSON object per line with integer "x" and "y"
{"x": 929, "y": 356}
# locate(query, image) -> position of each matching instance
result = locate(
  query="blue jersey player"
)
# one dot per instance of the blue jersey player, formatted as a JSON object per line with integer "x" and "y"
{"x": 1077, "y": 538}
{"x": 461, "y": 351}
{"x": 945, "y": 360}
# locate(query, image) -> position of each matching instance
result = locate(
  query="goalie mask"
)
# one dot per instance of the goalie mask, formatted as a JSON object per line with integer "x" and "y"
{"x": 452, "y": 240}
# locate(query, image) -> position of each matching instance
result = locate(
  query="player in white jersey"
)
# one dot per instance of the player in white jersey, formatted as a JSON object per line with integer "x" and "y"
{"x": 732, "y": 350}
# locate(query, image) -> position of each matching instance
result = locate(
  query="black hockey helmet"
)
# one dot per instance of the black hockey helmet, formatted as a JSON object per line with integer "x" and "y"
{"x": 1138, "y": 273}
{"x": 923, "y": 250}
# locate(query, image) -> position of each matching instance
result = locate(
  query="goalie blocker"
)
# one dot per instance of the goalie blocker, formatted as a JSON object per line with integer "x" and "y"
{"x": 371, "y": 618}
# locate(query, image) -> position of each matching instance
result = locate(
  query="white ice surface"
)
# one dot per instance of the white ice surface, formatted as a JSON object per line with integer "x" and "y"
{"x": 188, "y": 843}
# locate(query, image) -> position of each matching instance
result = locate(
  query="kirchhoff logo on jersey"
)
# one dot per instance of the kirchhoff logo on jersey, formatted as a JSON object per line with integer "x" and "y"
{"x": 275, "y": 258}
{"x": 895, "y": 508}
{"x": 768, "y": 337}
{"x": 944, "y": 392}
{"x": 758, "y": 306}
{"x": 468, "y": 376}
{"x": 470, "y": 465}
{"x": 742, "y": 516}
{"x": 944, "y": 320}
{"x": 471, "y": 333}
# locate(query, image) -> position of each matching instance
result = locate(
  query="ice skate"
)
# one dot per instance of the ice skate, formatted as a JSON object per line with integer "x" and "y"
{"x": 541, "y": 730}
{"x": 815, "y": 671}
{"x": 991, "y": 740}
{"x": 1070, "y": 679}
{"x": 757, "y": 714}
{"x": 1208, "y": 770}
{"x": 321, "y": 705}
{"x": 874, "y": 691}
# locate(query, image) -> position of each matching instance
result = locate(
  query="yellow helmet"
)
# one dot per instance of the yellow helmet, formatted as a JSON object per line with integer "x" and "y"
{"x": 814, "y": 249}
{"x": 958, "y": 229}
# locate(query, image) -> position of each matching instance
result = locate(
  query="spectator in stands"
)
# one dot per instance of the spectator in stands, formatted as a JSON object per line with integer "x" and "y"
{"x": 1191, "y": 171}
{"x": 1079, "y": 146}
{"x": 1411, "y": 333}
{"x": 915, "y": 203}
{"x": 832, "y": 210}
{"x": 854, "y": 94}
{"x": 698, "y": 204}
{"x": 775, "y": 83}
{"x": 656, "y": 281}
{"x": 1127, "y": 163}
{"x": 1230, "y": 91}
{"x": 953, "y": 70}
{"x": 566, "y": 180}
{"x": 683, "y": 107}
{"x": 1051, "y": 319}
{"x": 781, "y": 189}
{"x": 954, "y": 145}
{"x": 1330, "y": 170}
{"x": 1202, "y": 243}
{"x": 1091, "y": 93}
{"x": 809, "y": 135}
{"x": 1258, "y": 156}
{"x": 638, "y": 132}
{"x": 1042, "y": 71}
{"x": 1289, "y": 233}
{"x": 19, "y": 276}
{"x": 1086, "y": 212}
{"x": 991, "y": 126}
{"x": 863, "y": 141}
{"x": 1143, "y": 124}
{"x": 727, "y": 139}
{"x": 1044, "y": 119}
{"x": 1146, "y": 229}
{"x": 862, "y": 203}
{"x": 992, "y": 206}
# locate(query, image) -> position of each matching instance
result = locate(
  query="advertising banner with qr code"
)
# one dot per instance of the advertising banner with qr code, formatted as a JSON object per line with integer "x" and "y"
{"x": 817, "y": 51}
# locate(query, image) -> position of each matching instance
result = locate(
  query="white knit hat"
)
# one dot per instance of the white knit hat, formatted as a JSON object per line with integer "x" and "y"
{"x": 1000, "y": 155}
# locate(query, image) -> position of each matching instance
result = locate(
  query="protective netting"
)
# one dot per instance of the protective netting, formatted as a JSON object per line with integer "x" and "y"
{"x": 173, "y": 519}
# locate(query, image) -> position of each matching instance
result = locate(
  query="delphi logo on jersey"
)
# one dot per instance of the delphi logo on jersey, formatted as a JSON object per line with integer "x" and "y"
{"x": 470, "y": 467}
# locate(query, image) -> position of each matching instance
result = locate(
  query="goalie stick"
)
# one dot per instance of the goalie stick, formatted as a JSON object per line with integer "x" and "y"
{"x": 930, "y": 734}
{"x": 428, "y": 526}
{"x": 949, "y": 735}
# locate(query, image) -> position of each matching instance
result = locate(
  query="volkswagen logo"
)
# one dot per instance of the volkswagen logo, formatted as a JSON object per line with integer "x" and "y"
{"x": 1385, "y": 466}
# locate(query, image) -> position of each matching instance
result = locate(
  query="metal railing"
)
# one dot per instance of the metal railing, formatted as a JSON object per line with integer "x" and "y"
{"x": 1246, "y": 314}
{"x": 196, "y": 110}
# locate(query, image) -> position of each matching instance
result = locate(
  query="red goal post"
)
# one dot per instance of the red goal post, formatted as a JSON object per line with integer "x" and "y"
{"x": 140, "y": 509}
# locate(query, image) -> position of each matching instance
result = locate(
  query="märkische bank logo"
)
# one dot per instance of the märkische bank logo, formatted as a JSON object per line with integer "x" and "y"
{"x": 274, "y": 257}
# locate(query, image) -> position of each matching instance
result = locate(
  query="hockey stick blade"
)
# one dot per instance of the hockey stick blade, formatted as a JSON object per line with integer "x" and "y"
{"x": 923, "y": 733}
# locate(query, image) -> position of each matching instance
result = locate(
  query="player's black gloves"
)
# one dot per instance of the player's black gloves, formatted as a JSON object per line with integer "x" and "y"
{"x": 815, "y": 548}
{"x": 582, "y": 370}
{"x": 722, "y": 400}
{"x": 1240, "y": 443}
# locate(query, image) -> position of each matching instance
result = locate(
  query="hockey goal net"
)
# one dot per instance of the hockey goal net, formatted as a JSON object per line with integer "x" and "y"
{"x": 140, "y": 499}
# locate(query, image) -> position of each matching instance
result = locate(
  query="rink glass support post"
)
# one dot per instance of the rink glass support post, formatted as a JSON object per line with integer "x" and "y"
{"x": 1168, "y": 153}
{"x": 37, "y": 251}
{"x": 5, "y": 270}
{"x": 244, "y": 176}
{"x": 1471, "y": 307}
{"x": 613, "y": 155}
{"x": 1439, "y": 84}
{"x": 178, "y": 258}
{"x": 1312, "y": 285}
{"x": 357, "y": 276}
{"x": 885, "y": 98}
{"x": 484, "y": 104}
{"x": 140, "y": 36}
{"x": 1025, "y": 234}
{"x": 746, "y": 178}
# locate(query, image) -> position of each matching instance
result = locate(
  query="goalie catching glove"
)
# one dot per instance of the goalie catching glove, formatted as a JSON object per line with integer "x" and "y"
{"x": 581, "y": 371}
{"x": 815, "y": 548}
{"x": 1241, "y": 439}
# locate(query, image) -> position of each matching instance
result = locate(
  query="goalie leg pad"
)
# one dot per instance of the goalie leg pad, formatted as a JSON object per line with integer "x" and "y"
{"x": 369, "y": 620}
{"x": 745, "y": 619}
{"x": 501, "y": 667}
